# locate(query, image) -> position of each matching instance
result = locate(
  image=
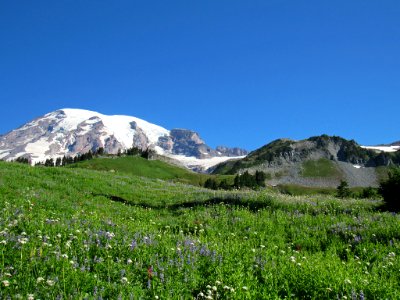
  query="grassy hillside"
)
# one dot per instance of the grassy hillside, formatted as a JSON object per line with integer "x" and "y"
{"x": 86, "y": 234}
{"x": 322, "y": 168}
{"x": 135, "y": 165}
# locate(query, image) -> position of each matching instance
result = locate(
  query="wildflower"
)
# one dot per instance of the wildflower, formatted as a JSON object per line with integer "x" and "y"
{"x": 39, "y": 279}
{"x": 3, "y": 242}
{"x": 293, "y": 259}
{"x": 262, "y": 246}
{"x": 201, "y": 294}
{"x": 245, "y": 288}
{"x": 214, "y": 288}
{"x": 218, "y": 282}
{"x": 124, "y": 280}
{"x": 31, "y": 297}
{"x": 22, "y": 240}
{"x": 347, "y": 281}
{"x": 6, "y": 282}
{"x": 129, "y": 261}
{"x": 361, "y": 295}
{"x": 50, "y": 282}
{"x": 64, "y": 256}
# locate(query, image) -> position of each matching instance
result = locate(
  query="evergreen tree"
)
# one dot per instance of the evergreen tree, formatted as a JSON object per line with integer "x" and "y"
{"x": 343, "y": 190}
{"x": 224, "y": 185}
{"x": 49, "y": 162}
{"x": 58, "y": 162}
{"x": 100, "y": 151}
{"x": 211, "y": 184}
{"x": 236, "y": 181}
{"x": 390, "y": 190}
{"x": 260, "y": 178}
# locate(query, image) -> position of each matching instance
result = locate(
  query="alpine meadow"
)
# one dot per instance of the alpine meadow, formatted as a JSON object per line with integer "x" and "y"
{"x": 75, "y": 233}
{"x": 199, "y": 150}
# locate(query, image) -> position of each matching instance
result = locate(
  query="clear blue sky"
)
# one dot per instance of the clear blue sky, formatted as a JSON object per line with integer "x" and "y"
{"x": 241, "y": 73}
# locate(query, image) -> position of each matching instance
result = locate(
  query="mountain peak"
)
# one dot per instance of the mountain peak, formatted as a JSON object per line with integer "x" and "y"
{"x": 72, "y": 131}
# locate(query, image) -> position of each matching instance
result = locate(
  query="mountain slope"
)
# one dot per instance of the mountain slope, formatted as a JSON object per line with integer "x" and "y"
{"x": 317, "y": 161}
{"x": 138, "y": 166}
{"x": 75, "y": 131}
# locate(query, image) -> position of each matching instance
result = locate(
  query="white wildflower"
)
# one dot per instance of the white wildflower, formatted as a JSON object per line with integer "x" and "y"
{"x": 50, "y": 282}
{"x": 124, "y": 280}
{"x": 22, "y": 240}
{"x": 5, "y": 282}
{"x": 39, "y": 279}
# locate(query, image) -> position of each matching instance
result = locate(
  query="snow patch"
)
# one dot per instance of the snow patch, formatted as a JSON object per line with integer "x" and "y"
{"x": 117, "y": 125}
{"x": 383, "y": 148}
{"x": 204, "y": 163}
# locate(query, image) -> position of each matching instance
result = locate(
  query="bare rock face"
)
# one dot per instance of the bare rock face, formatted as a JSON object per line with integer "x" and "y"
{"x": 166, "y": 143}
{"x": 226, "y": 151}
{"x": 188, "y": 143}
{"x": 140, "y": 139}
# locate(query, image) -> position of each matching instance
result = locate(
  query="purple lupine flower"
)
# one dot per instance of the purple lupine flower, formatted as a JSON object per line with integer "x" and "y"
{"x": 357, "y": 239}
{"x": 353, "y": 295}
{"x": 133, "y": 244}
{"x": 361, "y": 295}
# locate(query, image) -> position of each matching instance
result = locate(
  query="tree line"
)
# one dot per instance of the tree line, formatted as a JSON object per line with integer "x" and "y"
{"x": 245, "y": 180}
{"x": 68, "y": 160}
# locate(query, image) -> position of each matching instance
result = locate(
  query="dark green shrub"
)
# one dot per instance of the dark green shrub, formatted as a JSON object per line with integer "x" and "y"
{"x": 390, "y": 190}
{"x": 343, "y": 190}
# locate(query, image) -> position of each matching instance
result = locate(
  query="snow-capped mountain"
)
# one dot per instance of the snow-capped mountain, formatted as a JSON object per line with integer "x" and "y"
{"x": 75, "y": 131}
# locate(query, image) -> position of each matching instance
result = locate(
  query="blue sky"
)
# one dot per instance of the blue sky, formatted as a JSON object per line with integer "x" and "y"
{"x": 241, "y": 73}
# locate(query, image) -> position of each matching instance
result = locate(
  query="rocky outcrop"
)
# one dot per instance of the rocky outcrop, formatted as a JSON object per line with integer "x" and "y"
{"x": 188, "y": 143}
{"x": 226, "y": 151}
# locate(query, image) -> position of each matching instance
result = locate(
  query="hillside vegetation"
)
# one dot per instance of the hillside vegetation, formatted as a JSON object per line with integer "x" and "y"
{"x": 136, "y": 165}
{"x": 86, "y": 234}
{"x": 320, "y": 161}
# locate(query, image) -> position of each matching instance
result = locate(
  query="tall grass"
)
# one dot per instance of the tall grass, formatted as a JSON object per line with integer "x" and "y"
{"x": 72, "y": 233}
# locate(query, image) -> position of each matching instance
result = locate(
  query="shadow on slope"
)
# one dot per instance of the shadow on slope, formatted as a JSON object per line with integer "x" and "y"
{"x": 231, "y": 200}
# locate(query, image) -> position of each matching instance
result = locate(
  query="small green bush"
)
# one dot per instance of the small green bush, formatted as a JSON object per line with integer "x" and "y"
{"x": 390, "y": 190}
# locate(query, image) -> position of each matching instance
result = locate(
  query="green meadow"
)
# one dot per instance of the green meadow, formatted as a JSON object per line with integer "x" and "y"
{"x": 80, "y": 233}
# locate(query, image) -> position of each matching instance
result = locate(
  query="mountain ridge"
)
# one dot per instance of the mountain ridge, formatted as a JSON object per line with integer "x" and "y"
{"x": 298, "y": 162}
{"x": 75, "y": 131}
